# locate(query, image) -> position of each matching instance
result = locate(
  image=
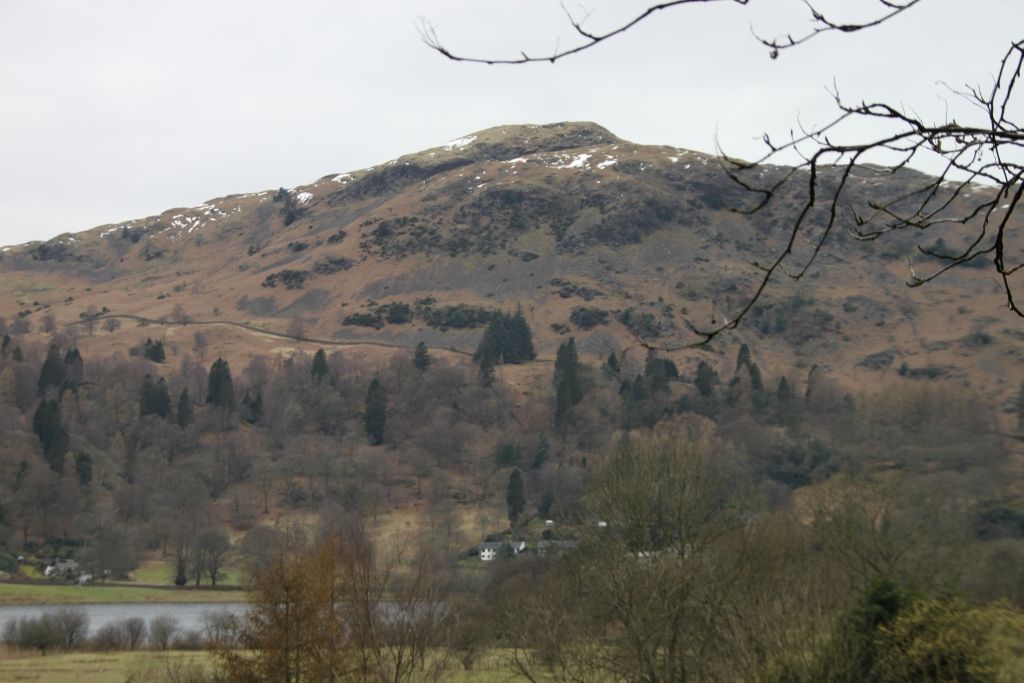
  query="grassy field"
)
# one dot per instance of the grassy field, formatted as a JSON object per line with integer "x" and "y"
{"x": 87, "y": 667}
{"x": 139, "y": 667}
{"x": 56, "y": 594}
{"x": 159, "y": 573}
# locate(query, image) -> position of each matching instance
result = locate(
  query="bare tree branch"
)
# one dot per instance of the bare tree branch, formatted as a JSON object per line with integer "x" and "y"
{"x": 978, "y": 189}
{"x": 428, "y": 32}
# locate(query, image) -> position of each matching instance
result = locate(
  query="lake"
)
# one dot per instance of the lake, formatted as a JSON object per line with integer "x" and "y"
{"x": 189, "y": 615}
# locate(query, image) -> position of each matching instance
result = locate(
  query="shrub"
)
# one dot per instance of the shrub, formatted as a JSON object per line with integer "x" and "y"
{"x": 365, "y": 319}
{"x": 587, "y": 318}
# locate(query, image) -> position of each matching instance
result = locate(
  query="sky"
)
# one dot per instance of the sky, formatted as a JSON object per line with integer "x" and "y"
{"x": 119, "y": 109}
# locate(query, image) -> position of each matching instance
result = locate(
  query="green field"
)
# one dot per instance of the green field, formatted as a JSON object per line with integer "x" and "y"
{"x": 137, "y": 667}
{"x": 159, "y": 573}
{"x": 56, "y": 594}
{"x": 87, "y": 667}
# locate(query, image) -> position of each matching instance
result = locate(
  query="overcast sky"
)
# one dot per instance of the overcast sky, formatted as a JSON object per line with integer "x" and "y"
{"x": 119, "y": 109}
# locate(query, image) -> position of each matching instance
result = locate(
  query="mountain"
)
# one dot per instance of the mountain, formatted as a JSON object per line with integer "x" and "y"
{"x": 617, "y": 244}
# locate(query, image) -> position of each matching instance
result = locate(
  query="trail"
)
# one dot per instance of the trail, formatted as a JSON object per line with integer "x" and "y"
{"x": 247, "y": 327}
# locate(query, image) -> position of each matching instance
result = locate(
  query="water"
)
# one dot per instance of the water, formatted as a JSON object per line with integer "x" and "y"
{"x": 190, "y": 616}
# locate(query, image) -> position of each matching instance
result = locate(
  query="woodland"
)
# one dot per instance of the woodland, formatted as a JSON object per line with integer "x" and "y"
{"x": 724, "y": 524}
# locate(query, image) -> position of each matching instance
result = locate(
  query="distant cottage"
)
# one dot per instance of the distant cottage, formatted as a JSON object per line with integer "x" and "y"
{"x": 490, "y": 549}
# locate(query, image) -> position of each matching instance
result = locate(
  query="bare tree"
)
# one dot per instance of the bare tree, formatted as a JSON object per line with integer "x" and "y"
{"x": 48, "y": 323}
{"x": 89, "y": 319}
{"x": 970, "y": 203}
{"x": 180, "y": 316}
{"x": 162, "y": 630}
{"x": 201, "y": 343}
{"x": 297, "y": 328}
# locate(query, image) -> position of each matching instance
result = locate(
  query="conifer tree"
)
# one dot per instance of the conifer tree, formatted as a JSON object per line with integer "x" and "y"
{"x": 51, "y": 376}
{"x": 421, "y": 357}
{"x": 1020, "y": 408}
{"x": 221, "y": 390}
{"x": 319, "y": 368}
{"x": 611, "y": 365}
{"x": 706, "y": 379}
{"x": 507, "y": 339}
{"x": 541, "y": 456}
{"x": 743, "y": 357}
{"x": 146, "y": 396}
{"x": 375, "y": 415}
{"x": 493, "y": 341}
{"x": 74, "y": 367}
{"x": 154, "y": 351}
{"x": 515, "y": 497}
{"x": 485, "y": 374}
{"x": 83, "y": 468}
{"x": 520, "y": 339}
{"x": 784, "y": 392}
{"x": 5, "y": 346}
{"x": 17, "y": 355}
{"x": 46, "y": 423}
{"x": 568, "y": 386}
{"x": 154, "y": 398}
{"x": 659, "y": 371}
{"x": 184, "y": 415}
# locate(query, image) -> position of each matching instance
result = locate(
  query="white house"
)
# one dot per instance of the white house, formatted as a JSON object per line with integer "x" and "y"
{"x": 489, "y": 550}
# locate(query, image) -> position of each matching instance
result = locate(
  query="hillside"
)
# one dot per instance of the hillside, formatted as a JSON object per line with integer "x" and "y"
{"x": 637, "y": 240}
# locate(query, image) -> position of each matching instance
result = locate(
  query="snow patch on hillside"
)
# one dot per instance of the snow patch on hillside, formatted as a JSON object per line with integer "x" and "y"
{"x": 460, "y": 142}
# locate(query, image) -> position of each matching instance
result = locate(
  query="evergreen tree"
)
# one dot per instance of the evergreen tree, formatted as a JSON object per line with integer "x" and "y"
{"x": 5, "y": 346}
{"x": 493, "y": 341}
{"x": 146, "y": 396}
{"x": 184, "y": 416}
{"x": 659, "y": 371}
{"x": 221, "y": 390}
{"x": 74, "y": 367}
{"x": 784, "y": 393}
{"x": 639, "y": 389}
{"x": 611, "y": 365}
{"x": 375, "y": 414}
{"x": 756, "y": 382}
{"x": 51, "y": 376}
{"x": 743, "y": 357}
{"x": 421, "y": 358}
{"x": 520, "y": 339}
{"x": 319, "y": 369}
{"x": 17, "y": 355}
{"x": 706, "y": 379}
{"x": 252, "y": 407}
{"x": 758, "y": 396}
{"x": 154, "y": 351}
{"x": 46, "y": 423}
{"x": 83, "y": 468}
{"x": 515, "y": 497}
{"x": 1020, "y": 408}
{"x": 485, "y": 374}
{"x": 507, "y": 339}
{"x": 568, "y": 385}
{"x": 154, "y": 399}
{"x": 541, "y": 456}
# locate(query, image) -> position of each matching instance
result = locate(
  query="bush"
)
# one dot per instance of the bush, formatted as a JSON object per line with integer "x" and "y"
{"x": 290, "y": 279}
{"x": 363, "y": 320}
{"x": 587, "y": 318}
{"x": 62, "y": 629}
{"x": 398, "y": 313}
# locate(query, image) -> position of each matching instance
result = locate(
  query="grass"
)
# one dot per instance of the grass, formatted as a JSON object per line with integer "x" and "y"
{"x": 88, "y": 667}
{"x": 118, "y": 667}
{"x": 160, "y": 573}
{"x": 59, "y": 594}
